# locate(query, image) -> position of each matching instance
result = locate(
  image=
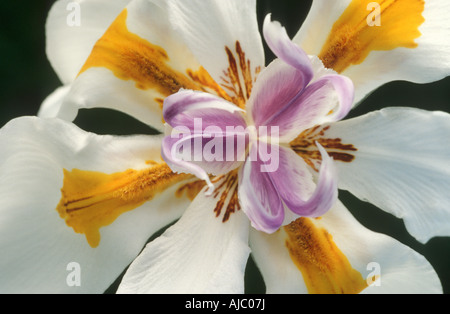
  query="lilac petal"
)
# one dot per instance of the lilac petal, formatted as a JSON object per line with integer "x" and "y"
{"x": 203, "y": 154}
{"x": 276, "y": 87}
{"x": 179, "y": 165}
{"x": 187, "y": 107}
{"x": 281, "y": 45}
{"x": 258, "y": 196}
{"x": 326, "y": 100}
{"x": 208, "y": 136}
{"x": 293, "y": 184}
{"x": 345, "y": 91}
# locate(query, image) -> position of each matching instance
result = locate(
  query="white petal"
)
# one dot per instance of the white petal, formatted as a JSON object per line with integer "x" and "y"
{"x": 99, "y": 88}
{"x": 51, "y": 106}
{"x": 210, "y": 26}
{"x": 138, "y": 62}
{"x": 35, "y": 241}
{"x": 371, "y": 254}
{"x": 69, "y": 44}
{"x": 401, "y": 165}
{"x": 317, "y": 26}
{"x": 199, "y": 254}
{"x": 427, "y": 62}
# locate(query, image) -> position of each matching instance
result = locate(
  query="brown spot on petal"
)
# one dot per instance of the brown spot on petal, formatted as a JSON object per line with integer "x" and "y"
{"x": 238, "y": 79}
{"x": 190, "y": 189}
{"x": 227, "y": 195}
{"x": 304, "y": 145}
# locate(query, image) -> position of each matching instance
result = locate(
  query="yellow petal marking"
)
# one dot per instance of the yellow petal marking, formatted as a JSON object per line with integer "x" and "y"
{"x": 325, "y": 269}
{"x": 204, "y": 79}
{"x": 91, "y": 200}
{"x": 131, "y": 57}
{"x": 352, "y": 39}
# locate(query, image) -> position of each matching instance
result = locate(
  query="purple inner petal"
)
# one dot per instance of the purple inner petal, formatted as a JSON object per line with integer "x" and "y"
{"x": 210, "y": 153}
{"x": 275, "y": 178}
{"x": 187, "y": 108}
{"x": 327, "y": 99}
{"x": 258, "y": 196}
{"x": 282, "y": 46}
{"x": 209, "y": 135}
{"x": 292, "y": 181}
{"x": 276, "y": 87}
{"x": 282, "y": 96}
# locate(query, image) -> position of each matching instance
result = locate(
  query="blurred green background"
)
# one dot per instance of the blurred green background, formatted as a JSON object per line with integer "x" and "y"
{"x": 27, "y": 78}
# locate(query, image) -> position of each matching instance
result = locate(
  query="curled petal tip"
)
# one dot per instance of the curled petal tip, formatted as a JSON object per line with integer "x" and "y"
{"x": 210, "y": 190}
{"x": 282, "y": 46}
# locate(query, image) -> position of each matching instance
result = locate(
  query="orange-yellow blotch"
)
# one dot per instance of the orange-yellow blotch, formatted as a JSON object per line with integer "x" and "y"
{"x": 325, "y": 269}
{"x": 91, "y": 200}
{"x": 204, "y": 79}
{"x": 131, "y": 57}
{"x": 352, "y": 38}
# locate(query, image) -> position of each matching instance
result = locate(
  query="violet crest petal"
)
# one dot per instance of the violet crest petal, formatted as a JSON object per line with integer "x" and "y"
{"x": 258, "y": 196}
{"x": 182, "y": 108}
{"x": 282, "y": 46}
{"x": 277, "y": 86}
{"x": 326, "y": 100}
{"x": 204, "y": 153}
{"x": 345, "y": 91}
{"x": 169, "y": 153}
{"x": 323, "y": 197}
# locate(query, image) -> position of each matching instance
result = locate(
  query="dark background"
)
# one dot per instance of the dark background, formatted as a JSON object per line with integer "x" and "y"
{"x": 27, "y": 78}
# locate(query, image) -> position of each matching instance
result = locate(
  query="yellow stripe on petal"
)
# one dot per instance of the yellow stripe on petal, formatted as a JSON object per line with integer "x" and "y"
{"x": 91, "y": 200}
{"x": 131, "y": 57}
{"x": 325, "y": 269}
{"x": 355, "y": 35}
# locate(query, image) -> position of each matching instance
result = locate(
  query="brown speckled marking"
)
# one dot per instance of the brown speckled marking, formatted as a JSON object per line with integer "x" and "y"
{"x": 304, "y": 145}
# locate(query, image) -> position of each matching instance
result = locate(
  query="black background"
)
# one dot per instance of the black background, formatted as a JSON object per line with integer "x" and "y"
{"x": 27, "y": 78}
